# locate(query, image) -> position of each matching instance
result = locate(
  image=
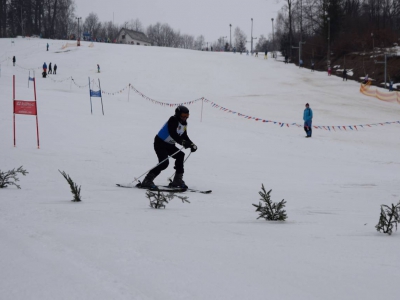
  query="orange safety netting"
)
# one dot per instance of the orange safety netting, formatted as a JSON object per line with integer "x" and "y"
{"x": 384, "y": 96}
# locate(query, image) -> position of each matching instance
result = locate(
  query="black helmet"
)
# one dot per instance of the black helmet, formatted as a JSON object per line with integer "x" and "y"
{"x": 181, "y": 110}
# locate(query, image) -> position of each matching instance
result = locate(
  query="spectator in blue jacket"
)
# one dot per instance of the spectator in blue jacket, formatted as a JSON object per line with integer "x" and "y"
{"x": 307, "y": 117}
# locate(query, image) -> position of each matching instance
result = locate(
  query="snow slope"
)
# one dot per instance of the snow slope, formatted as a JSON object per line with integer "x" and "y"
{"x": 112, "y": 245}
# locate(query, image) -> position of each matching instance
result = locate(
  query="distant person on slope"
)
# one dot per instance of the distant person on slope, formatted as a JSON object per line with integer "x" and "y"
{"x": 45, "y": 68}
{"x": 173, "y": 131}
{"x": 50, "y": 69}
{"x": 307, "y": 117}
{"x": 55, "y": 69}
{"x": 98, "y": 68}
{"x": 14, "y": 60}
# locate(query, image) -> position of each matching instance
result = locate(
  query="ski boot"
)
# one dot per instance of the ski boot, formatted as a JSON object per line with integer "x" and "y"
{"x": 148, "y": 182}
{"x": 178, "y": 182}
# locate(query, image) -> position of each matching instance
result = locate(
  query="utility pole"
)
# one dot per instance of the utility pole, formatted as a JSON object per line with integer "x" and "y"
{"x": 251, "y": 35}
{"x": 385, "y": 62}
{"x": 329, "y": 40}
{"x": 79, "y": 36}
{"x": 273, "y": 38}
{"x": 299, "y": 47}
{"x": 230, "y": 39}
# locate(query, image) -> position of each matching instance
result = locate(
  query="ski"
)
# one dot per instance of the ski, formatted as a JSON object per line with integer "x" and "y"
{"x": 164, "y": 188}
{"x": 191, "y": 190}
{"x": 159, "y": 188}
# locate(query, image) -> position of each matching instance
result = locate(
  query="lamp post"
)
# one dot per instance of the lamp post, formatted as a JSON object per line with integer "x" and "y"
{"x": 79, "y": 36}
{"x": 230, "y": 36}
{"x": 273, "y": 38}
{"x": 251, "y": 36}
{"x": 329, "y": 40}
{"x": 373, "y": 42}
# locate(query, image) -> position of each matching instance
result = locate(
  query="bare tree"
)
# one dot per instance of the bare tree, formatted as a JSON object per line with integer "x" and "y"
{"x": 92, "y": 24}
{"x": 187, "y": 41}
{"x": 199, "y": 43}
{"x": 240, "y": 39}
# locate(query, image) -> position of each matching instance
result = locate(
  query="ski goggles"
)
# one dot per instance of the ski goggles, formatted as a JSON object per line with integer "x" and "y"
{"x": 184, "y": 116}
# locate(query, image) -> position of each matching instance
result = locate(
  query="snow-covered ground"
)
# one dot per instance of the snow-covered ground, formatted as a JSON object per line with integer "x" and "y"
{"x": 112, "y": 245}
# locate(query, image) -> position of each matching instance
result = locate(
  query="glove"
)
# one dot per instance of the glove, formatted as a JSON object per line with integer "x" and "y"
{"x": 193, "y": 147}
{"x": 185, "y": 144}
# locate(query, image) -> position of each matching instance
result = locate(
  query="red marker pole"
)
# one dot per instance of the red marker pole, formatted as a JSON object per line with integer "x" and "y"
{"x": 14, "y": 107}
{"x": 37, "y": 122}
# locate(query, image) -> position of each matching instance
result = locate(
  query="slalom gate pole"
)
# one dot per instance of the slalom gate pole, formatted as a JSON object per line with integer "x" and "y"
{"x": 90, "y": 94}
{"x": 137, "y": 178}
{"x": 37, "y": 122}
{"x": 29, "y": 77}
{"x": 169, "y": 179}
{"x": 129, "y": 91}
{"x": 14, "y": 107}
{"x": 201, "y": 118}
{"x": 101, "y": 97}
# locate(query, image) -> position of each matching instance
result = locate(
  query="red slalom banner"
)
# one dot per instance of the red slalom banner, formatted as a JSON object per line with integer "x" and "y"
{"x": 24, "y": 107}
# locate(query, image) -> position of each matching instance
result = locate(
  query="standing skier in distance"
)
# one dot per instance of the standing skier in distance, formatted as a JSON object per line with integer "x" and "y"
{"x": 307, "y": 117}
{"x": 173, "y": 131}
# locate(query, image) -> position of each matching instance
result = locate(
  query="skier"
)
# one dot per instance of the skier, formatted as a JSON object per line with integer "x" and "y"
{"x": 391, "y": 86}
{"x": 98, "y": 68}
{"x": 312, "y": 66}
{"x": 14, "y": 60}
{"x": 329, "y": 70}
{"x": 45, "y": 68}
{"x": 50, "y": 69}
{"x": 55, "y": 69}
{"x": 344, "y": 74}
{"x": 47, "y": 46}
{"x": 266, "y": 55}
{"x": 366, "y": 79}
{"x": 173, "y": 131}
{"x": 307, "y": 117}
{"x": 301, "y": 63}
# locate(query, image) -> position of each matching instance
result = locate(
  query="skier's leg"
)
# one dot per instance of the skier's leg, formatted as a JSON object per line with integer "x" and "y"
{"x": 162, "y": 154}
{"x": 179, "y": 160}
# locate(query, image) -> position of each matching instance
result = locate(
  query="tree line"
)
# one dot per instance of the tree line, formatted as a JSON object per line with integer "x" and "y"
{"x": 336, "y": 27}
{"x": 57, "y": 19}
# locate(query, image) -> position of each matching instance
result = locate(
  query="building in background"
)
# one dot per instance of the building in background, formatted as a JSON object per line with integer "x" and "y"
{"x": 132, "y": 37}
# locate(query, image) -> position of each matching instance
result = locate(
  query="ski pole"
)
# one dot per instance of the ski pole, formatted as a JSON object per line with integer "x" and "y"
{"x": 169, "y": 179}
{"x": 137, "y": 178}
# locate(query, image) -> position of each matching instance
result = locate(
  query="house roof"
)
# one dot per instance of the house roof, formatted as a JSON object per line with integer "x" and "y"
{"x": 136, "y": 35}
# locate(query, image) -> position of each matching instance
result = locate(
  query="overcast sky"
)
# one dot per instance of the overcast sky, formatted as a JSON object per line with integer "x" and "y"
{"x": 208, "y": 17}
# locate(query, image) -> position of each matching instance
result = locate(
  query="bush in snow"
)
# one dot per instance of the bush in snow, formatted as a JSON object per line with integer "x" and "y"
{"x": 75, "y": 190}
{"x": 269, "y": 210}
{"x": 389, "y": 218}
{"x": 159, "y": 199}
{"x": 10, "y": 177}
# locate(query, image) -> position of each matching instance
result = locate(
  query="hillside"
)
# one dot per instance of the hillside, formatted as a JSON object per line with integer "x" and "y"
{"x": 247, "y": 124}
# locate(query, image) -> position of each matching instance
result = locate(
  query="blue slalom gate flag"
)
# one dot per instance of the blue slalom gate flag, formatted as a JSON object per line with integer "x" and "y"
{"x": 30, "y": 78}
{"x": 95, "y": 93}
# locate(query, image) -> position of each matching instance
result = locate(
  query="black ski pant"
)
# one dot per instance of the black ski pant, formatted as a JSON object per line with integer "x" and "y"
{"x": 163, "y": 150}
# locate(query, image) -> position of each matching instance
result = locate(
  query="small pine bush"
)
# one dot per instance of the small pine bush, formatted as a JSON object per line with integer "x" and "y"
{"x": 159, "y": 200}
{"x": 10, "y": 177}
{"x": 75, "y": 190}
{"x": 389, "y": 218}
{"x": 269, "y": 210}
